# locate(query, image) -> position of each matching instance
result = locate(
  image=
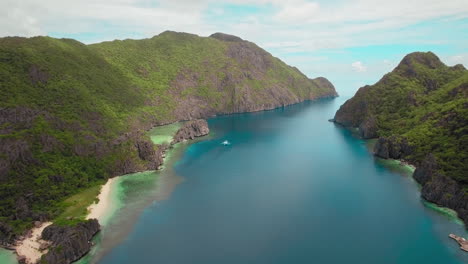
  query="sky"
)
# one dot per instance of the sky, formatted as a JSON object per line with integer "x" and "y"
{"x": 352, "y": 42}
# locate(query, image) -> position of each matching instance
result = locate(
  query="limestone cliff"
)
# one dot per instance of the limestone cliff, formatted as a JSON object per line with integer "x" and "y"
{"x": 419, "y": 113}
{"x": 191, "y": 130}
{"x": 68, "y": 243}
{"x": 72, "y": 115}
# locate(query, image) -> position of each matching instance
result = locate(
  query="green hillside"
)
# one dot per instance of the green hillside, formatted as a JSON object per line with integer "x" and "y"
{"x": 424, "y": 101}
{"x": 419, "y": 112}
{"x": 72, "y": 114}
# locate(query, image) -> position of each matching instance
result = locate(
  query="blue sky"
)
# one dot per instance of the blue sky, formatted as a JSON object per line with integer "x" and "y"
{"x": 352, "y": 42}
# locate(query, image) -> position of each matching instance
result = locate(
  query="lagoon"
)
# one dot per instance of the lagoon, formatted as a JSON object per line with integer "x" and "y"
{"x": 291, "y": 188}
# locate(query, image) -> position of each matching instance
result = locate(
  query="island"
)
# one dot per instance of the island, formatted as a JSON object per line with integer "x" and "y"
{"x": 419, "y": 114}
{"x": 73, "y": 116}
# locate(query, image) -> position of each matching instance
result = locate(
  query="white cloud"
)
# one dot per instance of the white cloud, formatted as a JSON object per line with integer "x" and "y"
{"x": 358, "y": 66}
{"x": 282, "y": 27}
{"x": 457, "y": 59}
{"x": 285, "y": 44}
{"x": 339, "y": 24}
{"x": 297, "y": 12}
{"x": 15, "y": 21}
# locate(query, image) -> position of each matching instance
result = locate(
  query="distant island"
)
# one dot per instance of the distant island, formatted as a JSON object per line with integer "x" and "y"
{"x": 419, "y": 113}
{"x": 74, "y": 115}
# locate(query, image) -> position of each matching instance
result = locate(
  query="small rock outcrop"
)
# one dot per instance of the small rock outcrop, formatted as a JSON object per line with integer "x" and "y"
{"x": 147, "y": 153}
{"x": 191, "y": 130}
{"x": 69, "y": 243}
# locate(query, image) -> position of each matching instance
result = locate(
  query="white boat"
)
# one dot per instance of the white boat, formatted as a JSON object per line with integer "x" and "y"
{"x": 225, "y": 143}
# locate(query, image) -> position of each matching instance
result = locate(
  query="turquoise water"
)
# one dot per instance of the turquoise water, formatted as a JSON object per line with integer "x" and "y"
{"x": 292, "y": 188}
{"x": 7, "y": 257}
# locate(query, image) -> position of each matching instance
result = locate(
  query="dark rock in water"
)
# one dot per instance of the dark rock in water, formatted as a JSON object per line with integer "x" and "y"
{"x": 356, "y": 114}
{"x": 7, "y": 235}
{"x": 191, "y": 130}
{"x": 419, "y": 87}
{"x": 149, "y": 155}
{"x": 381, "y": 148}
{"x": 392, "y": 148}
{"x": 147, "y": 152}
{"x": 69, "y": 243}
{"x": 368, "y": 128}
{"x": 440, "y": 189}
{"x": 446, "y": 192}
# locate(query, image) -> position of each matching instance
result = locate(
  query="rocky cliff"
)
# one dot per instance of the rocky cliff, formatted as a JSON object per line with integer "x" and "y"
{"x": 419, "y": 113}
{"x": 440, "y": 189}
{"x": 191, "y": 130}
{"x": 68, "y": 243}
{"x": 72, "y": 115}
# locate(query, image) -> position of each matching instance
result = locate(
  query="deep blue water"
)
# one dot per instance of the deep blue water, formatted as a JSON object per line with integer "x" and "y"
{"x": 292, "y": 188}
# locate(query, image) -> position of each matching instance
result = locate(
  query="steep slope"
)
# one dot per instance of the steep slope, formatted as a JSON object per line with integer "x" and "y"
{"x": 196, "y": 77}
{"x": 419, "y": 112}
{"x": 72, "y": 115}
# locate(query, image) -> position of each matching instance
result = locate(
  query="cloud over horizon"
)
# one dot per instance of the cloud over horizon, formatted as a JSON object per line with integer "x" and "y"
{"x": 337, "y": 33}
{"x": 358, "y": 66}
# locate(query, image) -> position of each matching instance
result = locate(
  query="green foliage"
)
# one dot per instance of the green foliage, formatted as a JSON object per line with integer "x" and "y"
{"x": 75, "y": 208}
{"x": 78, "y": 100}
{"x": 426, "y": 102}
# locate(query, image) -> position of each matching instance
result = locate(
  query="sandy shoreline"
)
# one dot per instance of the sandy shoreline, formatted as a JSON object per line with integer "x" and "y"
{"x": 100, "y": 209}
{"x": 30, "y": 248}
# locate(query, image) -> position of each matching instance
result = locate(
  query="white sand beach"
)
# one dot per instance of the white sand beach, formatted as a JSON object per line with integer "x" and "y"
{"x": 100, "y": 209}
{"x": 30, "y": 248}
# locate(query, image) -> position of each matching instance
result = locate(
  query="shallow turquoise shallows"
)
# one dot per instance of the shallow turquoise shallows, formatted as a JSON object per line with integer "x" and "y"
{"x": 291, "y": 188}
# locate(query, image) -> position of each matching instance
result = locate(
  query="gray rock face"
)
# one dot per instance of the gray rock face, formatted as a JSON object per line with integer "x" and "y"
{"x": 381, "y": 149}
{"x": 355, "y": 113}
{"x": 425, "y": 171}
{"x": 37, "y": 76}
{"x": 147, "y": 152}
{"x": 7, "y": 235}
{"x": 69, "y": 243}
{"x": 149, "y": 155}
{"x": 440, "y": 189}
{"x": 392, "y": 148}
{"x": 368, "y": 128}
{"x": 191, "y": 130}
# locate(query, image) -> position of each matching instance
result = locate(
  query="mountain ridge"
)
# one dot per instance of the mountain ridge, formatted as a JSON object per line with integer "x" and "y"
{"x": 73, "y": 115}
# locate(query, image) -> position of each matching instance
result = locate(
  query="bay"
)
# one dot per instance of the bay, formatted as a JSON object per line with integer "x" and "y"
{"x": 291, "y": 188}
